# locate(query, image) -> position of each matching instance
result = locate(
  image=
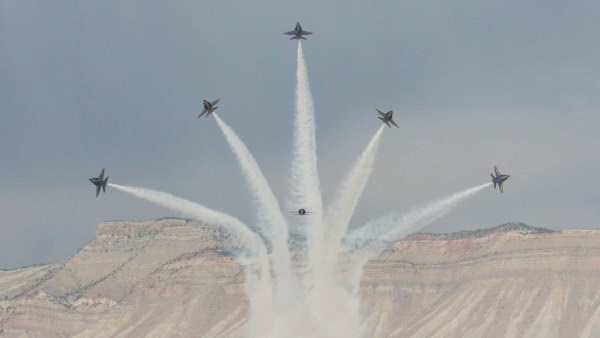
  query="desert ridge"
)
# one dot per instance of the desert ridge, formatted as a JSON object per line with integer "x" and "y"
{"x": 179, "y": 277}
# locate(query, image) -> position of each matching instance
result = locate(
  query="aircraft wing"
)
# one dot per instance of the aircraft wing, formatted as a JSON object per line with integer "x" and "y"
{"x": 97, "y": 190}
{"x": 290, "y": 33}
{"x": 501, "y": 187}
{"x": 306, "y": 33}
{"x": 101, "y": 177}
{"x": 380, "y": 112}
{"x": 394, "y": 123}
{"x": 497, "y": 171}
{"x": 215, "y": 102}
{"x": 203, "y": 112}
{"x": 299, "y": 214}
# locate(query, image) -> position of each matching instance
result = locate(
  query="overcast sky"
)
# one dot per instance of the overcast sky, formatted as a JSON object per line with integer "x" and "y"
{"x": 118, "y": 84}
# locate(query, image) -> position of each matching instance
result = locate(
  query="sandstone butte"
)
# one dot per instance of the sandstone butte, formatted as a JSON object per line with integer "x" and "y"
{"x": 172, "y": 277}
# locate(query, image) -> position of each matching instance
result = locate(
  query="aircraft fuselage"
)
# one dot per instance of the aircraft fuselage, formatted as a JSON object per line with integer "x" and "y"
{"x": 499, "y": 179}
{"x": 387, "y": 118}
{"x": 100, "y": 182}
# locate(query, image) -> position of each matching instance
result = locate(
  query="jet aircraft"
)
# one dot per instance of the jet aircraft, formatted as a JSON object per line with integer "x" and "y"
{"x": 297, "y": 33}
{"x": 209, "y": 107}
{"x": 99, "y": 182}
{"x": 301, "y": 212}
{"x": 386, "y": 117}
{"x": 499, "y": 179}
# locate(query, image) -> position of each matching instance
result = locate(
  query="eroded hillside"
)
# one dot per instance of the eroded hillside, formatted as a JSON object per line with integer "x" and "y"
{"x": 174, "y": 278}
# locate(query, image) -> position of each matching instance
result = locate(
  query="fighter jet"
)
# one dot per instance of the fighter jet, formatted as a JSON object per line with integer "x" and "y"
{"x": 209, "y": 107}
{"x": 386, "y": 117}
{"x": 301, "y": 212}
{"x": 499, "y": 179}
{"x": 297, "y": 33}
{"x": 99, "y": 182}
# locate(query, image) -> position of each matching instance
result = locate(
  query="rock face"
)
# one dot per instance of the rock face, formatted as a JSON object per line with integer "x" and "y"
{"x": 151, "y": 278}
{"x": 510, "y": 281}
{"x": 173, "y": 278}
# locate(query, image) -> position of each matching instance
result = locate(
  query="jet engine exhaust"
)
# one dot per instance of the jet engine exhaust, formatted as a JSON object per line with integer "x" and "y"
{"x": 272, "y": 222}
{"x": 341, "y": 210}
{"x": 385, "y": 230}
{"x": 199, "y": 212}
{"x": 322, "y": 300}
{"x": 256, "y": 261}
{"x": 371, "y": 239}
{"x": 304, "y": 178}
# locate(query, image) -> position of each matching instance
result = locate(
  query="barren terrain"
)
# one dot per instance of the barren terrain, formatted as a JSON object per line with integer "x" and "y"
{"x": 174, "y": 277}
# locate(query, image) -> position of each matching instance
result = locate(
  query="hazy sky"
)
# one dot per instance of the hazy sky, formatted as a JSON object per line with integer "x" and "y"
{"x": 118, "y": 84}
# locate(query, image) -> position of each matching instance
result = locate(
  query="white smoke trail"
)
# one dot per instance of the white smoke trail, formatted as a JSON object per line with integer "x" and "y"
{"x": 272, "y": 223}
{"x": 336, "y": 306}
{"x": 341, "y": 210}
{"x": 256, "y": 262}
{"x": 385, "y": 230}
{"x": 305, "y": 185}
{"x": 327, "y": 314}
{"x": 196, "y": 211}
{"x": 329, "y": 306}
{"x": 368, "y": 241}
{"x": 306, "y": 191}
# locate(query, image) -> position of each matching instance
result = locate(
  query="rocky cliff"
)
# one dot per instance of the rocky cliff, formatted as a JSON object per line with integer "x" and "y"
{"x": 510, "y": 281}
{"x": 173, "y": 278}
{"x": 145, "y": 278}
